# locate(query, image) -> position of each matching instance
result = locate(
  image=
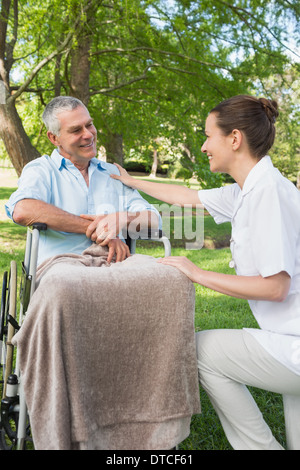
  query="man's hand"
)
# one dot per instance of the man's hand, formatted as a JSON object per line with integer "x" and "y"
{"x": 119, "y": 248}
{"x": 104, "y": 228}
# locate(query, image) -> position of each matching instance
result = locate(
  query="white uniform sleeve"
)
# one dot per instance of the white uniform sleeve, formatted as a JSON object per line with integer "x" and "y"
{"x": 220, "y": 202}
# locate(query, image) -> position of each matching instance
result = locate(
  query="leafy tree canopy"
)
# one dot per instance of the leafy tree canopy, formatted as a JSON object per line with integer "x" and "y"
{"x": 147, "y": 69}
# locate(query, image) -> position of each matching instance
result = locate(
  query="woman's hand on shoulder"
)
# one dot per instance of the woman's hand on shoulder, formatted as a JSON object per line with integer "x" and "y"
{"x": 124, "y": 177}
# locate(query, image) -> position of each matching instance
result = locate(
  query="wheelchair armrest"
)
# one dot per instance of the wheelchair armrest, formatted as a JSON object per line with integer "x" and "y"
{"x": 149, "y": 234}
{"x": 31, "y": 251}
{"x": 39, "y": 226}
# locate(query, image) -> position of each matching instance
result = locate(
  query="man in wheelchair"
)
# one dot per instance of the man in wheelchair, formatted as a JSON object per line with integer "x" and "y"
{"x": 106, "y": 350}
{"x": 66, "y": 190}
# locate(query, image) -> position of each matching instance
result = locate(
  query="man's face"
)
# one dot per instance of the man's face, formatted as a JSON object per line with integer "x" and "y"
{"x": 77, "y": 138}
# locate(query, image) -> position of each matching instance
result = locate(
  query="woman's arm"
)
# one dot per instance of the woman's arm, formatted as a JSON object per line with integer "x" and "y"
{"x": 170, "y": 193}
{"x": 273, "y": 288}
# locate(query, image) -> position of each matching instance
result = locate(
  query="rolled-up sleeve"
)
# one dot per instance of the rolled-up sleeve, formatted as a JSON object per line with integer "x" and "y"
{"x": 33, "y": 184}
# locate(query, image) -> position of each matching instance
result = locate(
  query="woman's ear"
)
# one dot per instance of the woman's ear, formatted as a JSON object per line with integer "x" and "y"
{"x": 237, "y": 139}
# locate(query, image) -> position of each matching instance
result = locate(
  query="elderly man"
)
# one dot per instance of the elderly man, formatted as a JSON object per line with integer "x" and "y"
{"x": 106, "y": 350}
{"x": 73, "y": 193}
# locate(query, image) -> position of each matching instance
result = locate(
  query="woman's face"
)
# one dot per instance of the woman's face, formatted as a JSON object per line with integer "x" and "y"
{"x": 217, "y": 146}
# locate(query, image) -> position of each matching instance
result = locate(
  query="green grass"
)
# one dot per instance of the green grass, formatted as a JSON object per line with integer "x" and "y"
{"x": 213, "y": 310}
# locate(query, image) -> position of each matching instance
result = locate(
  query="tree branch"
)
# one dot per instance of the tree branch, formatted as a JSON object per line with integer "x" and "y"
{"x": 129, "y": 100}
{"x": 38, "y": 67}
{"x": 51, "y": 56}
{"x": 122, "y": 85}
{"x": 169, "y": 53}
{"x": 4, "y": 14}
{"x": 237, "y": 10}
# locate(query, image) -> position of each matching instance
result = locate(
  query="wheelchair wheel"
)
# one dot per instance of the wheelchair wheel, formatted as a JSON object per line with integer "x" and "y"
{"x": 8, "y": 328}
{"x": 9, "y": 406}
{"x": 9, "y": 427}
{"x": 2, "y": 329}
{"x": 3, "y": 303}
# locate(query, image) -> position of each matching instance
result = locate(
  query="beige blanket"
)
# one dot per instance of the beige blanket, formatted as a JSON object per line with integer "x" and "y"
{"x": 107, "y": 354}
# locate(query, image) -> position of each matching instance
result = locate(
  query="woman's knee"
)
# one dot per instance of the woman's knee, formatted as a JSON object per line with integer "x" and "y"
{"x": 207, "y": 345}
{"x": 217, "y": 347}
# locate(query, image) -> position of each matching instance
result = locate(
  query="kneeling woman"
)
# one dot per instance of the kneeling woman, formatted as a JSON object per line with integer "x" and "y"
{"x": 264, "y": 210}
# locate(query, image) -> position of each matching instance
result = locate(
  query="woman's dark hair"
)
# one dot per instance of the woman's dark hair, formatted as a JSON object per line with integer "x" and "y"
{"x": 255, "y": 117}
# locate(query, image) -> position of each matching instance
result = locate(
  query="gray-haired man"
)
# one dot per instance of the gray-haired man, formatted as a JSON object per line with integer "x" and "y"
{"x": 72, "y": 191}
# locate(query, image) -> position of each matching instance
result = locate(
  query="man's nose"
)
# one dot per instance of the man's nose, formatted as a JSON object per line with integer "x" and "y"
{"x": 87, "y": 134}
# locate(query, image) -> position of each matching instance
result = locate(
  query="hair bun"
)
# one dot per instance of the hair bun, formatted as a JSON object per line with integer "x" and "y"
{"x": 271, "y": 108}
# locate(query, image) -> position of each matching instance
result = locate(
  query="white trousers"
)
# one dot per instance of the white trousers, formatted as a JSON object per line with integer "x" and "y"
{"x": 228, "y": 361}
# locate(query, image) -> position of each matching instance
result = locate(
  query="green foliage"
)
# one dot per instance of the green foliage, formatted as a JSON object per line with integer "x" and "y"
{"x": 156, "y": 67}
{"x": 286, "y": 151}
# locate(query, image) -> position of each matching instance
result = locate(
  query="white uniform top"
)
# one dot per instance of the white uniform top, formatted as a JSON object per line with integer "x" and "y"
{"x": 265, "y": 218}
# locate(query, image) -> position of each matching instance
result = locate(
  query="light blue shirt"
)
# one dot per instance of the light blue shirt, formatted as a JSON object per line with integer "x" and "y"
{"x": 57, "y": 181}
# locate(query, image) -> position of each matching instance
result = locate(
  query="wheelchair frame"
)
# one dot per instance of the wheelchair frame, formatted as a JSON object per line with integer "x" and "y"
{"x": 14, "y": 419}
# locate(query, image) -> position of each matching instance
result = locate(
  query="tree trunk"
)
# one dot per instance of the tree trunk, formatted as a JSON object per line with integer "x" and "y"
{"x": 80, "y": 72}
{"x": 16, "y": 141}
{"x": 80, "y": 55}
{"x": 114, "y": 149}
{"x": 154, "y": 164}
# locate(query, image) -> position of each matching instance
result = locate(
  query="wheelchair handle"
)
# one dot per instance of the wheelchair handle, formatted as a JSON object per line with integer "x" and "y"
{"x": 39, "y": 226}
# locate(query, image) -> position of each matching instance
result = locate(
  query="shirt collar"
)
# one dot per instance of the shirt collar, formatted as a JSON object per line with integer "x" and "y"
{"x": 57, "y": 159}
{"x": 263, "y": 166}
{"x": 62, "y": 162}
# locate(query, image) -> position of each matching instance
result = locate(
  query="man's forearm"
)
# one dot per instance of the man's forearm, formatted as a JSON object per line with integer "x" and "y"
{"x": 29, "y": 211}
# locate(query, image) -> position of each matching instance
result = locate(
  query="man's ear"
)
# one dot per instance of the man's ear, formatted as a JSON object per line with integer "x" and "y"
{"x": 237, "y": 139}
{"x": 53, "y": 138}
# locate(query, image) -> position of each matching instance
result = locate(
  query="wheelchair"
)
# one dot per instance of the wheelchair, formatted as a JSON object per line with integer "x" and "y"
{"x": 15, "y": 431}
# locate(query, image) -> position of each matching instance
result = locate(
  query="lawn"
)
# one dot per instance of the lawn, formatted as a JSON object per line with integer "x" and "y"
{"x": 213, "y": 310}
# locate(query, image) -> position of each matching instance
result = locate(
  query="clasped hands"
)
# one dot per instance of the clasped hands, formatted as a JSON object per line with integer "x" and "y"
{"x": 104, "y": 230}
